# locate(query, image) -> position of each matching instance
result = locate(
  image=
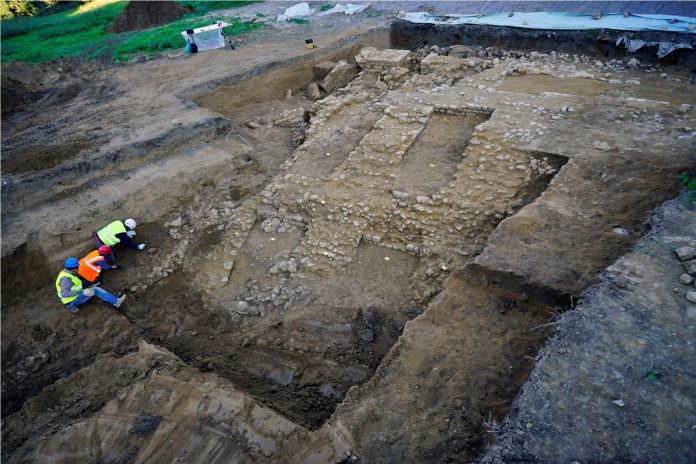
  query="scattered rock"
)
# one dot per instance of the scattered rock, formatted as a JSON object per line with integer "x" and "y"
{"x": 178, "y": 222}
{"x": 241, "y": 306}
{"x": 690, "y": 266}
{"x": 381, "y": 86}
{"x": 457, "y": 51}
{"x": 313, "y": 92}
{"x": 685, "y": 253}
{"x": 252, "y": 125}
{"x": 691, "y": 296}
{"x": 686, "y": 279}
{"x": 291, "y": 118}
{"x": 367, "y": 335}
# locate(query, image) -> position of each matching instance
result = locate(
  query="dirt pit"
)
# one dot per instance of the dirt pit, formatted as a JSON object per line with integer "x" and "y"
{"x": 333, "y": 274}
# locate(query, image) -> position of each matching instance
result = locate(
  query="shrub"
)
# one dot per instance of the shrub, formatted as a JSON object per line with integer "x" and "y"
{"x": 689, "y": 182}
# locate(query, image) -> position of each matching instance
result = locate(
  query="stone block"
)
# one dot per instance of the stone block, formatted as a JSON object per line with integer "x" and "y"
{"x": 340, "y": 75}
{"x": 439, "y": 63}
{"x": 372, "y": 59}
{"x": 313, "y": 92}
{"x": 321, "y": 70}
{"x": 291, "y": 118}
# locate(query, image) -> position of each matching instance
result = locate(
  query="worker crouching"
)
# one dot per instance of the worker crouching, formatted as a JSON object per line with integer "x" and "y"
{"x": 73, "y": 295}
{"x": 118, "y": 232}
{"x": 94, "y": 263}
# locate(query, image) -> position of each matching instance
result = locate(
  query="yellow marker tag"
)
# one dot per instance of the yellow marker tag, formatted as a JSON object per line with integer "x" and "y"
{"x": 322, "y": 202}
{"x": 432, "y": 165}
{"x": 272, "y": 239}
{"x": 328, "y": 154}
{"x": 386, "y": 258}
{"x": 443, "y": 267}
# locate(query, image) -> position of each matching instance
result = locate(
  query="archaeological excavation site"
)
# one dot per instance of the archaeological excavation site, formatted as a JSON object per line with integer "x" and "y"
{"x": 422, "y": 240}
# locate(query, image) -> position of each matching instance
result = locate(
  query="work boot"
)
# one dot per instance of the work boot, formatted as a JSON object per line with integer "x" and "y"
{"x": 119, "y": 302}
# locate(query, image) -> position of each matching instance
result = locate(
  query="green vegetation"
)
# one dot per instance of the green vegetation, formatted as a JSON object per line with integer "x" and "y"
{"x": 69, "y": 33}
{"x": 299, "y": 20}
{"x": 80, "y": 31}
{"x": 12, "y": 8}
{"x": 592, "y": 34}
{"x": 99, "y": 13}
{"x": 325, "y": 7}
{"x": 689, "y": 182}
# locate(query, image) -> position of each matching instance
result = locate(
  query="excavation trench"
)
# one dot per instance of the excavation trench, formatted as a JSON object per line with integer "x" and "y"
{"x": 299, "y": 342}
{"x": 338, "y": 247}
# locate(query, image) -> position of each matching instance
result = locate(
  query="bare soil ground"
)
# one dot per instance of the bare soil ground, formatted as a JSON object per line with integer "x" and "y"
{"x": 368, "y": 276}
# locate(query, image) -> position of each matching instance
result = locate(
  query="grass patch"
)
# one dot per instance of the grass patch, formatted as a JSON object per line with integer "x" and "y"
{"x": 69, "y": 33}
{"x": 99, "y": 14}
{"x": 299, "y": 20}
{"x": 79, "y": 32}
{"x": 325, "y": 7}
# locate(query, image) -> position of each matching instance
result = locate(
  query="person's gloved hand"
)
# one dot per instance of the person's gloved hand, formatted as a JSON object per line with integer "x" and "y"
{"x": 141, "y": 246}
{"x": 88, "y": 291}
{"x": 131, "y": 233}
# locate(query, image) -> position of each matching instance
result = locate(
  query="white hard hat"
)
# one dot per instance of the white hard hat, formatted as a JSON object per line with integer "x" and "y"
{"x": 130, "y": 223}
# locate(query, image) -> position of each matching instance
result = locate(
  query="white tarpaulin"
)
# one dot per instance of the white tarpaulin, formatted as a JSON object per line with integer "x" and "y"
{"x": 349, "y": 9}
{"x": 296, "y": 11}
{"x": 208, "y": 37}
{"x": 664, "y": 48}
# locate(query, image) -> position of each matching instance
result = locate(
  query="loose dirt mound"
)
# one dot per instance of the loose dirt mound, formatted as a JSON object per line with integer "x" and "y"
{"x": 143, "y": 15}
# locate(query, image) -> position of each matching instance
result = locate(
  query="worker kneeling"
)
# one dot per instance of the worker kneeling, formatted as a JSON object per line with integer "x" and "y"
{"x": 118, "y": 232}
{"x": 95, "y": 262}
{"x": 71, "y": 293}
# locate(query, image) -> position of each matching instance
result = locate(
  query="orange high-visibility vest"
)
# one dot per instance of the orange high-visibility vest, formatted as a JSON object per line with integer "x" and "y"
{"x": 88, "y": 270}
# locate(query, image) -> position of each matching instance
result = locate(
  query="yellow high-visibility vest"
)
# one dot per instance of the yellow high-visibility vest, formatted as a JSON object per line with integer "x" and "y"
{"x": 107, "y": 234}
{"x": 77, "y": 286}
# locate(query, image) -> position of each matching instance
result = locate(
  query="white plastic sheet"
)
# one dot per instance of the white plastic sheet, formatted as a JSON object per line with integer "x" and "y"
{"x": 296, "y": 11}
{"x": 349, "y": 9}
{"x": 664, "y": 48}
{"x": 208, "y": 37}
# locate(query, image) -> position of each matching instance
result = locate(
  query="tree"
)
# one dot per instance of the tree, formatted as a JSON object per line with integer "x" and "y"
{"x": 12, "y": 8}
